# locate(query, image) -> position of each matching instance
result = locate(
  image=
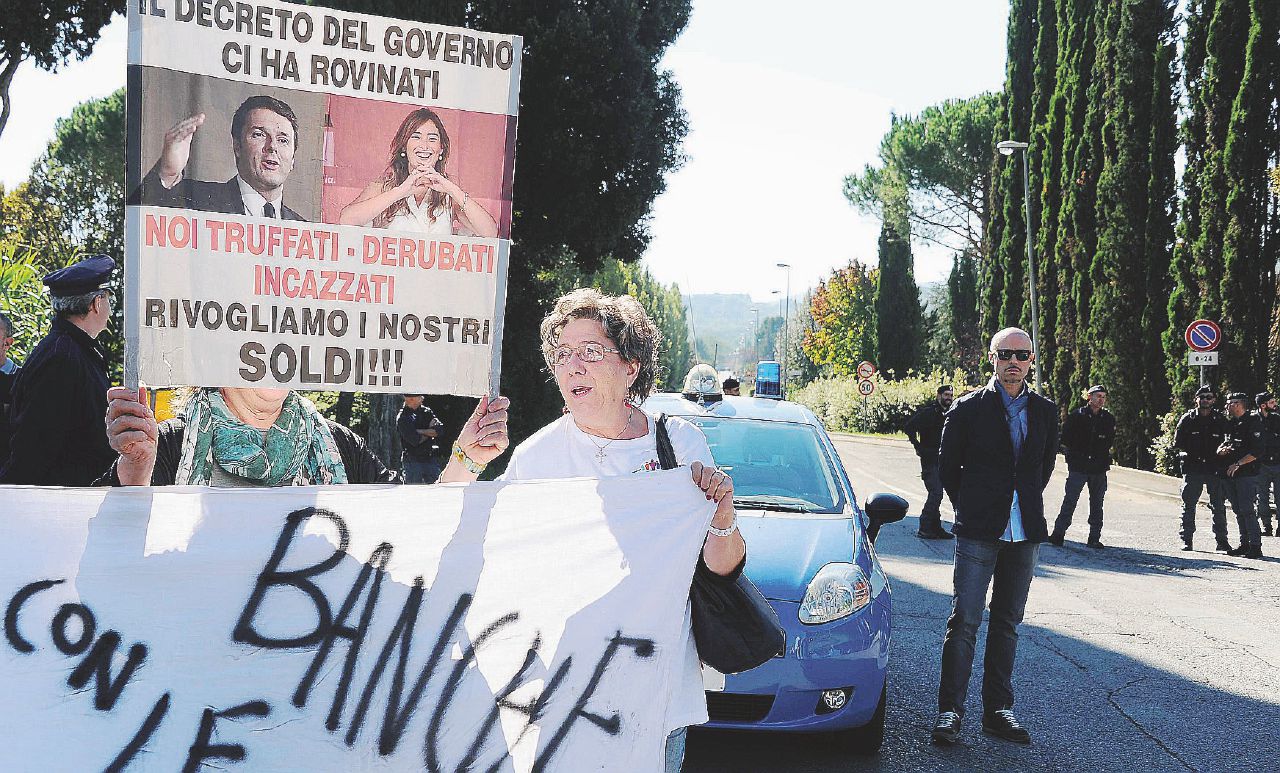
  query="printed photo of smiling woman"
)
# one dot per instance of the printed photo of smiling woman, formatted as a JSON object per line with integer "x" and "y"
{"x": 414, "y": 193}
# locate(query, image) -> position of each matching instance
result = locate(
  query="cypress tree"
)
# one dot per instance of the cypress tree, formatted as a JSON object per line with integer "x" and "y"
{"x": 1001, "y": 288}
{"x": 899, "y": 319}
{"x": 1247, "y": 273}
{"x": 963, "y": 322}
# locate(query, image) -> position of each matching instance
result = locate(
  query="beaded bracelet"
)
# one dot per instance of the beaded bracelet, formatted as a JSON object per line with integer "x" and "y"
{"x": 461, "y": 456}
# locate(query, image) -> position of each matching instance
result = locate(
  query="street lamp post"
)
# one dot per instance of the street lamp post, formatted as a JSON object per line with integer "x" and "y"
{"x": 1007, "y": 148}
{"x": 786, "y": 329}
{"x": 755, "y": 333}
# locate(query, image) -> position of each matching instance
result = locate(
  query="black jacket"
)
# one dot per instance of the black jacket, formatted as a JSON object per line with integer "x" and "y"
{"x": 924, "y": 430}
{"x": 416, "y": 447}
{"x": 1087, "y": 439}
{"x": 1197, "y": 439}
{"x": 59, "y": 405}
{"x": 1244, "y": 437}
{"x": 361, "y": 463}
{"x": 979, "y": 471}
{"x": 1270, "y": 437}
{"x": 200, "y": 195}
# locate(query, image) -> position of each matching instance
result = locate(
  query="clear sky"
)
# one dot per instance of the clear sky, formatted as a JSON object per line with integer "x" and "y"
{"x": 783, "y": 102}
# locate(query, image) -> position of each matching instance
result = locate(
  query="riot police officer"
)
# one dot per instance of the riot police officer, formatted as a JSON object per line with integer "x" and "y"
{"x": 60, "y": 396}
{"x": 1240, "y": 451}
{"x": 1199, "y": 433}
{"x": 1269, "y": 472}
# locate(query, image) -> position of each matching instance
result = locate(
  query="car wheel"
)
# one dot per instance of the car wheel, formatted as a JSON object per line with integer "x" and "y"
{"x": 868, "y": 738}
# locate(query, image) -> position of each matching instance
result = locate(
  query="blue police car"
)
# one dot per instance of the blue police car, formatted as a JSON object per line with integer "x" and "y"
{"x": 810, "y": 552}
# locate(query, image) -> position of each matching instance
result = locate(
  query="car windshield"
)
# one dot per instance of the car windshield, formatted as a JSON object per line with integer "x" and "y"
{"x": 775, "y": 465}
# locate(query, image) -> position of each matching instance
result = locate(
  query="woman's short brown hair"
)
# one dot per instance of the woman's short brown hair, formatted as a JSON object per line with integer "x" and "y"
{"x": 625, "y": 322}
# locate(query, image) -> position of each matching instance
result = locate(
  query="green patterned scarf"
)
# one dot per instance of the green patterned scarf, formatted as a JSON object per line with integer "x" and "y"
{"x": 298, "y": 449}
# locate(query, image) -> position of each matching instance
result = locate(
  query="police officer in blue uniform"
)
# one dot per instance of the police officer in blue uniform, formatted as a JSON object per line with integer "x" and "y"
{"x": 59, "y": 400}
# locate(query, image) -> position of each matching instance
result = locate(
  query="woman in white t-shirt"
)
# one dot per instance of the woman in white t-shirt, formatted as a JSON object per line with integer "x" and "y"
{"x": 415, "y": 194}
{"x": 603, "y": 353}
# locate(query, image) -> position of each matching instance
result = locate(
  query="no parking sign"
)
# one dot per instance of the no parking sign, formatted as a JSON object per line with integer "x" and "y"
{"x": 1203, "y": 335}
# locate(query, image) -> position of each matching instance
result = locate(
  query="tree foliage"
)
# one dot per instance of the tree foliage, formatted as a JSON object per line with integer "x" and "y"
{"x": 843, "y": 309}
{"x": 899, "y": 318}
{"x": 48, "y": 32}
{"x": 942, "y": 158}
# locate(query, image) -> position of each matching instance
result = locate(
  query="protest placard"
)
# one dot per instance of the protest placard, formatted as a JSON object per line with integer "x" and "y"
{"x": 522, "y": 627}
{"x": 317, "y": 199}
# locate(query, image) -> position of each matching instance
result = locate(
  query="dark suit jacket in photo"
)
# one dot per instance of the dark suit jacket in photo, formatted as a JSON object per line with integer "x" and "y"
{"x": 199, "y": 195}
{"x": 980, "y": 473}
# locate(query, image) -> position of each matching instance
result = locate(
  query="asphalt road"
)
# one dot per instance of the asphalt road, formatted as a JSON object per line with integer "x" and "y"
{"x": 1138, "y": 657}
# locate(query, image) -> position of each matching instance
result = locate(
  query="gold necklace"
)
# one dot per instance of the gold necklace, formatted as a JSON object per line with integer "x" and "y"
{"x": 600, "y": 454}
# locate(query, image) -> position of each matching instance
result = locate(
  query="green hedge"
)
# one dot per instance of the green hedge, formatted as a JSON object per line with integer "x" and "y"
{"x": 841, "y": 408}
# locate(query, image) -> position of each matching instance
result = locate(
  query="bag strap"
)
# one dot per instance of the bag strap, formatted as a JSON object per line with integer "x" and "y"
{"x": 666, "y": 452}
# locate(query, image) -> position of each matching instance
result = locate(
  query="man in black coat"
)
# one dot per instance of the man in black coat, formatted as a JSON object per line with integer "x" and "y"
{"x": 924, "y": 430}
{"x": 1087, "y": 435}
{"x": 60, "y": 395}
{"x": 1199, "y": 433}
{"x": 999, "y": 445}
{"x": 421, "y": 457}
{"x": 264, "y": 135}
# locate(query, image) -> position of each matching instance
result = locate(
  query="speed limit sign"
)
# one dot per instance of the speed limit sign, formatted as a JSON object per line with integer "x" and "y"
{"x": 866, "y": 387}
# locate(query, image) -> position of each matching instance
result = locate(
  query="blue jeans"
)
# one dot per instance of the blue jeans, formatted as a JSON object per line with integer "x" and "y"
{"x": 1193, "y": 484}
{"x": 1076, "y": 481}
{"x": 979, "y": 563}
{"x": 421, "y": 472}
{"x": 675, "y": 749}
{"x": 931, "y": 516}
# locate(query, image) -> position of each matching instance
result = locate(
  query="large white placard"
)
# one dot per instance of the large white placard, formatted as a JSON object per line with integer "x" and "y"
{"x": 532, "y": 626}
{"x": 317, "y": 199}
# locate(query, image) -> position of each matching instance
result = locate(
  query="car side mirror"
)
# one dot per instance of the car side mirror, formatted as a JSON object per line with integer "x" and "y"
{"x": 884, "y": 508}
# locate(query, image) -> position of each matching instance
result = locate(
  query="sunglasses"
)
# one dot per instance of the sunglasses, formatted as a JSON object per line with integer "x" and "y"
{"x": 1008, "y": 354}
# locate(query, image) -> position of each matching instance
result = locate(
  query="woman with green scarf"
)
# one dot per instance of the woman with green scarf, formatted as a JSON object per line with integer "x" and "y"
{"x": 234, "y": 437}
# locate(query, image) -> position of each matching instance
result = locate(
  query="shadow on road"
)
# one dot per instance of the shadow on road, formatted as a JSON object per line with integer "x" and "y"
{"x": 1088, "y": 706}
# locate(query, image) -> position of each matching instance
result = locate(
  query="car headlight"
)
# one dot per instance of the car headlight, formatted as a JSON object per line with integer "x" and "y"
{"x": 836, "y": 591}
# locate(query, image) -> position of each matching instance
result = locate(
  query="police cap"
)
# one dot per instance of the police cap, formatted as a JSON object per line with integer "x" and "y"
{"x": 82, "y": 278}
{"x": 1206, "y": 391}
{"x": 1241, "y": 396}
{"x": 1263, "y": 397}
{"x": 1095, "y": 389}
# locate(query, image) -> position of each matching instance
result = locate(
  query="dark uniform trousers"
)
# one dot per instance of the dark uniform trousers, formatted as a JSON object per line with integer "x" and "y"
{"x": 1268, "y": 493}
{"x": 1193, "y": 485}
{"x": 1076, "y": 481}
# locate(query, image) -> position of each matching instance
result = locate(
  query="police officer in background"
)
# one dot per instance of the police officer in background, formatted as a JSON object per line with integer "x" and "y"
{"x": 1200, "y": 431}
{"x": 1269, "y": 472}
{"x": 1241, "y": 451}
{"x": 420, "y": 440}
{"x": 1088, "y": 434}
{"x": 8, "y": 374}
{"x": 924, "y": 430}
{"x": 60, "y": 396}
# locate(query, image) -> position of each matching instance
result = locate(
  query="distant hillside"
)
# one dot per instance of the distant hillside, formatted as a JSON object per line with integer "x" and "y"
{"x": 726, "y": 320}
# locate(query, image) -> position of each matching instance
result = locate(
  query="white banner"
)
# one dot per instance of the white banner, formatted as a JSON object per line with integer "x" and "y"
{"x": 521, "y": 627}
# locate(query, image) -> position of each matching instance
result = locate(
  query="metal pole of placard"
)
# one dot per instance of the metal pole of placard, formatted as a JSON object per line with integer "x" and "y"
{"x": 499, "y": 319}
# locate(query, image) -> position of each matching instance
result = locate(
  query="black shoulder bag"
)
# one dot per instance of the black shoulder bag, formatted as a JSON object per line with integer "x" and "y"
{"x": 734, "y": 627}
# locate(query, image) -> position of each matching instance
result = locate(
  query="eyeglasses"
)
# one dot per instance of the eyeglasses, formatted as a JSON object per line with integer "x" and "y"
{"x": 587, "y": 353}
{"x": 1008, "y": 354}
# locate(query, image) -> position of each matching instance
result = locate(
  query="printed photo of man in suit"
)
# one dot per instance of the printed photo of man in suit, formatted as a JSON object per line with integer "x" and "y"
{"x": 264, "y": 136}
